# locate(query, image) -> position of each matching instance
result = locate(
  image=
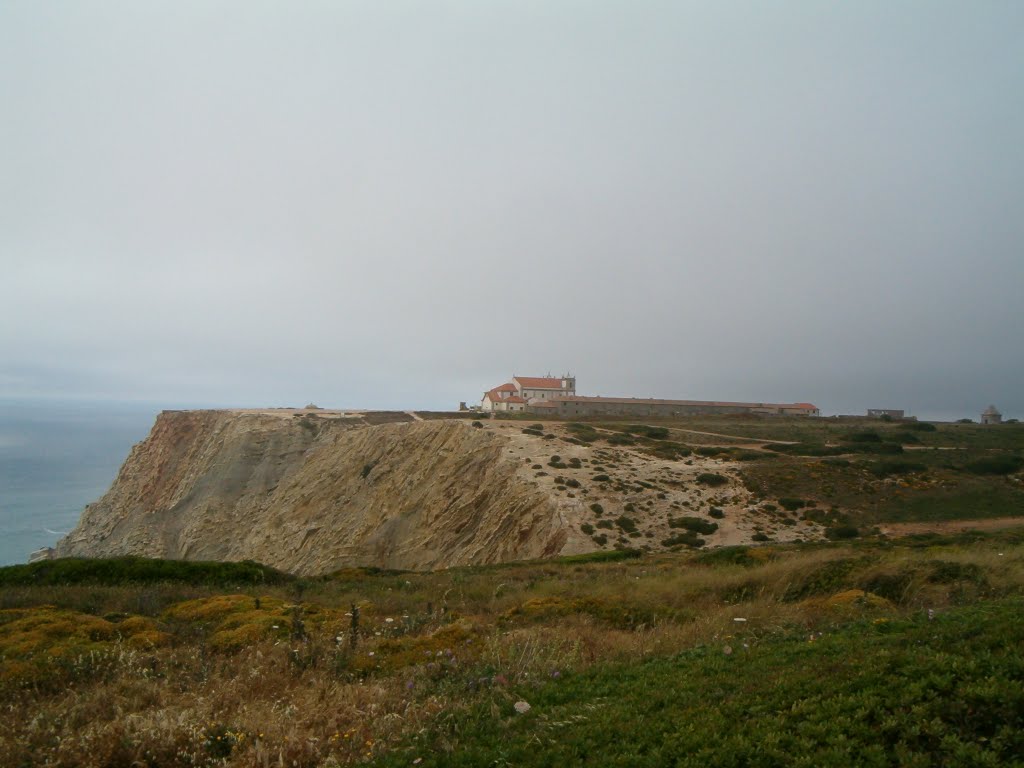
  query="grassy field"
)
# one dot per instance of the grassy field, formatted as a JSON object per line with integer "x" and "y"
{"x": 868, "y": 652}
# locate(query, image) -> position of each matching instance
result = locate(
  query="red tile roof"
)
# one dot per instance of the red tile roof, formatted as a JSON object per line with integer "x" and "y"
{"x": 508, "y": 386}
{"x": 514, "y": 399}
{"x": 533, "y": 382}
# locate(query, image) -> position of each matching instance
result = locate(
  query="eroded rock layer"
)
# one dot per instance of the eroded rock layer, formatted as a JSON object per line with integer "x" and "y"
{"x": 310, "y": 495}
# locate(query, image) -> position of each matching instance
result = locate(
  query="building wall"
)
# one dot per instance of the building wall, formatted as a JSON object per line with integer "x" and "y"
{"x": 640, "y": 408}
{"x": 545, "y": 394}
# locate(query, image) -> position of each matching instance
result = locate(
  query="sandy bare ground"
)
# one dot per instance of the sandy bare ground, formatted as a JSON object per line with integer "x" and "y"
{"x": 672, "y": 492}
{"x": 951, "y": 526}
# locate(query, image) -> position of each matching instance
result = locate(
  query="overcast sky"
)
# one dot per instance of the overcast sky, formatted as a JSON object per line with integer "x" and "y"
{"x": 391, "y": 204}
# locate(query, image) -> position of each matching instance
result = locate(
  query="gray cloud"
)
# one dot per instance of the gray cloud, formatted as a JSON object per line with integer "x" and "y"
{"x": 401, "y": 204}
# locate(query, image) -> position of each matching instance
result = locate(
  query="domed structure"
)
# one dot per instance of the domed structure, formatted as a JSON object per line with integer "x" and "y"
{"x": 991, "y": 416}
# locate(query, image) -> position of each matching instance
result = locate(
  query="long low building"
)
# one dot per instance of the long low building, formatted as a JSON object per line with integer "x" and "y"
{"x": 635, "y": 406}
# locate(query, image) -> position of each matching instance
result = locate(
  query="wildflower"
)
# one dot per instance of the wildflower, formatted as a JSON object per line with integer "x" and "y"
{"x": 371, "y": 653}
{"x": 389, "y": 620}
{"x": 739, "y": 619}
{"x": 521, "y": 707}
{"x": 727, "y": 650}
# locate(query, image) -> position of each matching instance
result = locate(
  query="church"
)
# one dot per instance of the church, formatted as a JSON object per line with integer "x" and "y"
{"x": 515, "y": 395}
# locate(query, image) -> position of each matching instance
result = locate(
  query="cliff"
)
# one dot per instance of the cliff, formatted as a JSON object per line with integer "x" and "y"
{"x": 309, "y": 495}
{"x": 311, "y": 492}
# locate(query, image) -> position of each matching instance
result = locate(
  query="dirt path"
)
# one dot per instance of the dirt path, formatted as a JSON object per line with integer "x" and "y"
{"x": 415, "y": 415}
{"x": 951, "y": 526}
{"x": 752, "y": 440}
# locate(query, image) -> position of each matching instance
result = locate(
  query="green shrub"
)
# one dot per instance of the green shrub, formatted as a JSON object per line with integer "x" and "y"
{"x": 716, "y": 513}
{"x": 627, "y": 524}
{"x": 602, "y": 478}
{"x": 572, "y": 483}
{"x": 687, "y": 539}
{"x": 792, "y": 505}
{"x": 582, "y": 432}
{"x": 137, "y": 570}
{"x": 534, "y": 432}
{"x": 597, "y": 509}
{"x": 709, "y": 450}
{"x": 602, "y": 557}
{"x": 920, "y": 426}
{"x": 695, "y": 524}
{"x": 947, "y": 572}
{"x": 839, "y": 532}
{"x": 864, "y": 437}
{"x": 587, "y": 528}
{"x": 727, "y": 556}
{"x": 888, "y": 468}
{"x": 825, "y": 579}
{"x": 1004, "y": 464}
{"x": 761, "y": 537}
{"x": 478, "y": 425}
{"x": 668, "y": 450}
{"x": 600, "y": 538}
{"x": 605, "y": 524}
{"x": 740, "y": 455}
{"x": 808, "y": 449}
{"x": 887, "y": 448}
{"x": 711, "y": 479}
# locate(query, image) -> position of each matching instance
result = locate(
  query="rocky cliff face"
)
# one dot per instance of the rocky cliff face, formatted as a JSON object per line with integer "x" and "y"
{"x": 309, "y": 495}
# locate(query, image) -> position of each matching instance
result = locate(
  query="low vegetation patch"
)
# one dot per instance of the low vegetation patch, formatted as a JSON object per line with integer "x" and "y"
{"x": 1004, "y": 464}
{"x": 948, "y": 693}
{"x": 137, "y": 570}
{"x": 852, "y": 650}
{"x": 695, "y": 524}
{"x": 711, "y": 479}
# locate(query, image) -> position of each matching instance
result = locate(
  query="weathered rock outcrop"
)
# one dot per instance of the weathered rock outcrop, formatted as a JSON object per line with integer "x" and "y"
{"x": 309, "y": 495}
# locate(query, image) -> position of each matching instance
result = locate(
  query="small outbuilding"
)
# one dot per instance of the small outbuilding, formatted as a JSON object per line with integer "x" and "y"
{"x": 991, "y": 416}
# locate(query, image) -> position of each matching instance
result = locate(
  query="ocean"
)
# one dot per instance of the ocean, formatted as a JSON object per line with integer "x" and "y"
{"x": 56, "y": 457}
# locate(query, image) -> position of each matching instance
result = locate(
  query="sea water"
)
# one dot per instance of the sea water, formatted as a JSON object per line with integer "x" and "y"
{"x": 56, "y": 457}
